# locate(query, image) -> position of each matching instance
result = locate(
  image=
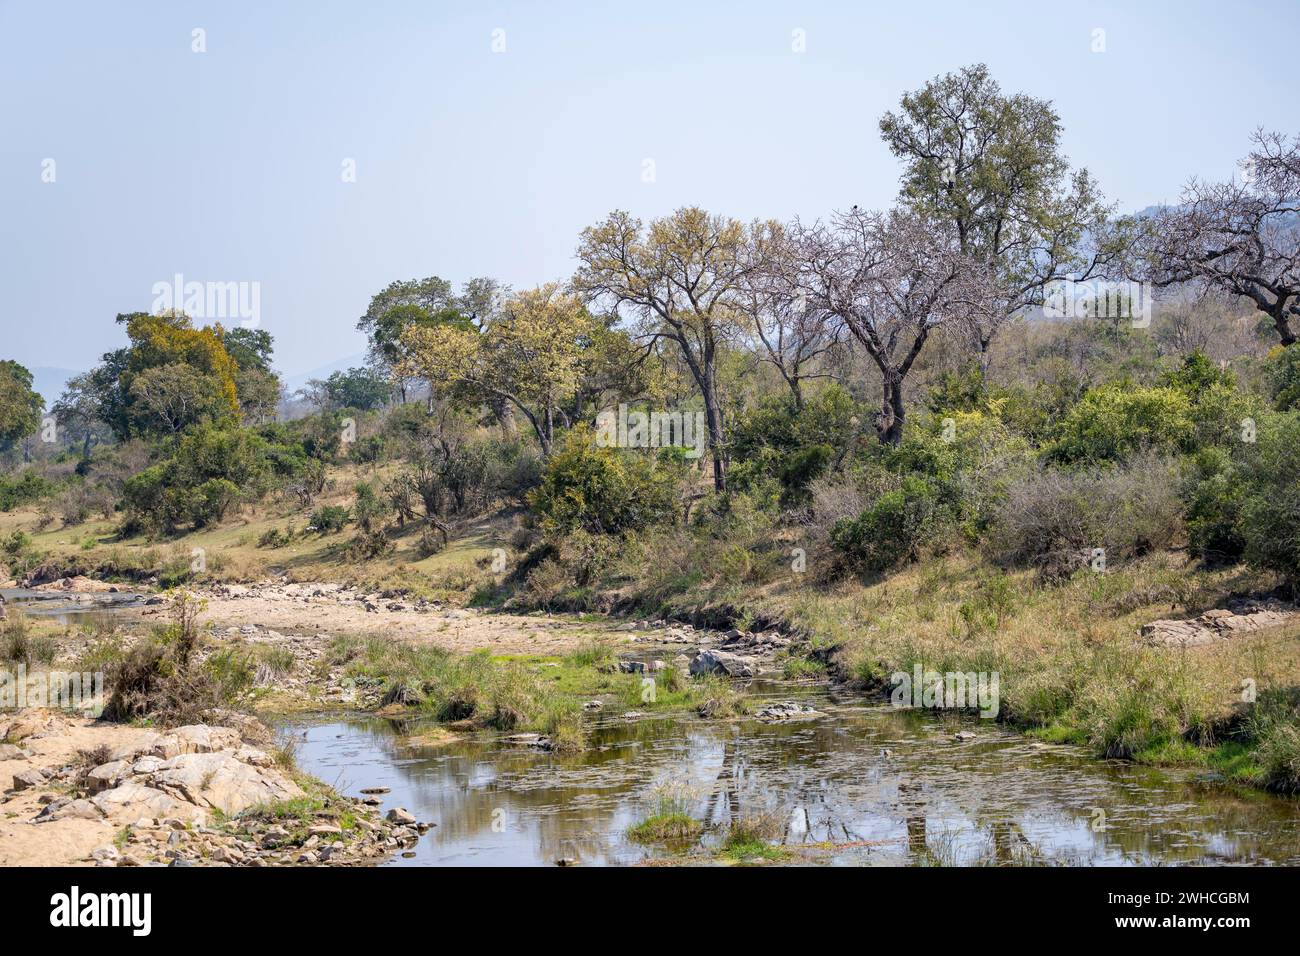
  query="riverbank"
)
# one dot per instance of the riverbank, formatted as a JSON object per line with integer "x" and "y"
{"x": 82, "y": 792}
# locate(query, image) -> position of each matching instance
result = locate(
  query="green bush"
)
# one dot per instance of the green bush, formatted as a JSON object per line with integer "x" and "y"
{"x": 23, "y": 489}
{"x": 211, "y": 469}
{"x": 893, "y": 529}
{"x": 603, "y": 490}
{"x": 330, "y": 519}
{"x": 776, "y": 441}
{"x": 1213, "y": 491}
{"x": 1270, "y": 510}
{"x": 1285, "y": 375}
{"x": 1116, "y": 421}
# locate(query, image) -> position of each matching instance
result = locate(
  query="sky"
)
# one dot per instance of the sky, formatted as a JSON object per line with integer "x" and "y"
{"x": 484, "y": 136}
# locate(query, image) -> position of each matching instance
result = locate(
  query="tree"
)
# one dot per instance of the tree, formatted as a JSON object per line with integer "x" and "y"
{"x": 360, "y": 388}
{"x": 681, "y": 278}
{"x": 168, "y": 339}
{"x": 1239, "y": 237}
{"x": 991, "y": 165}
{"x": 792, "y": 337}
{"x": 259, "y": 387}
{"x": 424, "y": 303}
{"x": 892, "y": 279}
{"x": 20, "y": 405}
{"x": 79, "y": 411}
{"x": 171, "y": 398}
{"x": 530, "y": 356}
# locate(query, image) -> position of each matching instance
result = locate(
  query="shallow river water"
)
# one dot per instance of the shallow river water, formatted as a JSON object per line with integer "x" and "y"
{"x": 866, "y": 784}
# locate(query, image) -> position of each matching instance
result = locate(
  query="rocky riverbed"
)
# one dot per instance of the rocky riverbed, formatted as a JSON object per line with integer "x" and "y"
{"x": 77, "y": 791}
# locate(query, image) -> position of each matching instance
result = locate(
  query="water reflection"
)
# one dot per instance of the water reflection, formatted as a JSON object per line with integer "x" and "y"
{"x": 866, "y": 784}
{"x": 68, "y": 607}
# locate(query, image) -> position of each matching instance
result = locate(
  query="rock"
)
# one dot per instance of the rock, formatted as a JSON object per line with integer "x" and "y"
{"x": 222, "y": 782}
{"x": 325, "y": 829}
{"x": 965, "y": 735}
{"x": 107, "y": 775}
{"x": 400, "y": 816}
{"x": 65, "y": 809}
{"x": 721, "y": 662}
{"x": 26, "y": 780}
{"x": 529, "y": 740}
{"x": 592, "y": 705}
{"x": 105, "y": 853}
{"x": 786, "y": 710}
{"x": 196, "y": 739}
{"x": 224, "y": 854}
{"x": 11, "y": 752}
{"x": 1242, "y": 615}
{"x": 631, "y": 667}
{"x": 132, "y": 800}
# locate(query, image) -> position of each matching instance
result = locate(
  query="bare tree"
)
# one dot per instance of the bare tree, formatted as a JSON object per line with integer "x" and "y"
{"x": 893, "y": 279}
{"x": 1240, "y": 237}
{"x": 792, "y": 337}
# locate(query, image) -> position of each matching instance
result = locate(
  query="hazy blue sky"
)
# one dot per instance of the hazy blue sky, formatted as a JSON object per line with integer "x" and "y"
{"x": 226, "y": 165}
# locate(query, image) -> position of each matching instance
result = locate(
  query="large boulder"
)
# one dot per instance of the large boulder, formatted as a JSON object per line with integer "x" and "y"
{"x": 722, "y": 662}
{"x": 221, "y": 781}
{"x": 196, "y": 739}
{"x": 107, "y": 775}
{"x": 132, "y": 800}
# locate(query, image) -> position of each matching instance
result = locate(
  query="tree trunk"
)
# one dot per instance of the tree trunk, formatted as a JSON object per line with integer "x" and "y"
{"x": 1283, "y": 327}
{"x": 713, "y": 416}
{"x": 889, "y": 423}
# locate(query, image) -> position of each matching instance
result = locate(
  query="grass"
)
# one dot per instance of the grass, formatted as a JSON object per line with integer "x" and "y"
{"x": 750, "y": 838}
{"x": 674, "y": 827}
{"x": 503, "y": 694}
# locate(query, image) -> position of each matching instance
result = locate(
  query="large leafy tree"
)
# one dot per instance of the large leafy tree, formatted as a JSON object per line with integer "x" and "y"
{"x": 681, "y": 278}
{"x": 531, "y": 357}
{"x": 991, "y": 165}
{"x": 414, "y": 303}
{"x": 20, "y": 405}
{"x": 258, "y": 385}
{"x": 135, "y": 398}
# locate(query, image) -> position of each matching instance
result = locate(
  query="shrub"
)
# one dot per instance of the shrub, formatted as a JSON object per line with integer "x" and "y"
{"x": 330, "y": 519}
{"x": 1214, "y": 491}
{"x": 23, "y": 489}
{"x": 893, "y": 529}
{"x": 1053, "y": 520}
{"x": 1270, "y": 510}
{"x": 1285, "y": 378}
{"x": 211, "y": 468}
{"x": 603, "y": 490}
{"x": 1116, "y": 421}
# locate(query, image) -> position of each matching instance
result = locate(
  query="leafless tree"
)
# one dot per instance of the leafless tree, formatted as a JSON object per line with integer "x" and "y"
{"x": 1240, "y": 237}
{"x": 791, "y": 336}
{"x": 892, "y": 279}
